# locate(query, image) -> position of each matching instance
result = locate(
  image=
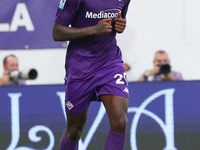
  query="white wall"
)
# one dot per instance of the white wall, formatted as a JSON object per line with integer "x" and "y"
{"x": 170, "y": 25}
{"x": 159, "y": 24}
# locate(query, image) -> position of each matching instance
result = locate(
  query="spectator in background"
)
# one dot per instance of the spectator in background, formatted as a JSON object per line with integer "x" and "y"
{"x": 10, "y": 63}
{"x": 157, "y": 74}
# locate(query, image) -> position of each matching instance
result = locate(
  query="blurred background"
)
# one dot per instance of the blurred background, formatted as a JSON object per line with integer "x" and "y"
{"x": 169, "y": 114}
{"x": 173, "y": 26}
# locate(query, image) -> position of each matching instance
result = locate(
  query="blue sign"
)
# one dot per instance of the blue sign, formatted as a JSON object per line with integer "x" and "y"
{"x": 28, "y": 24}
{"x": 161, "y": 116}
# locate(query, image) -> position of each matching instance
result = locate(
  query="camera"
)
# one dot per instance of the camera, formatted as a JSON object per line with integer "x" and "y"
{"x": 164, "y": 68}
{"x": 28, "y": 74}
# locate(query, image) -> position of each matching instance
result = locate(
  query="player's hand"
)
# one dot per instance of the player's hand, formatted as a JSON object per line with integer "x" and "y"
{"x": 120, "y": 23}
{"x": 103, "y": 26}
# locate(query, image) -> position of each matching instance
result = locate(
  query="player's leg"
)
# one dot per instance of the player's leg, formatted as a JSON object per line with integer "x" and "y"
{"x": 116, "y": 107}
{"x": 75, "y": 125}
{"x": 78, "y": 94}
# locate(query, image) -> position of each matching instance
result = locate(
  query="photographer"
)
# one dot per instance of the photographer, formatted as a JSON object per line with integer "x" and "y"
{"x": 10, "y": 63}
{"x": 161, "y": 70}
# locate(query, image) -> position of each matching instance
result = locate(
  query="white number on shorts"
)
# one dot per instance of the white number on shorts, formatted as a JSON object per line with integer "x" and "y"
{"x": 125, "y": 78}
{"x": 120, "y": 76}
{"x": 119, "y": 80}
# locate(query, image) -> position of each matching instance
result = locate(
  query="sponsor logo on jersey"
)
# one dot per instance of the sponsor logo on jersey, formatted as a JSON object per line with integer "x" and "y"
{"x": 62, "y": 4}
{"x": 110, "y": 13}
{"x": 126, "y": 90}
{"x": 69, "y": 105}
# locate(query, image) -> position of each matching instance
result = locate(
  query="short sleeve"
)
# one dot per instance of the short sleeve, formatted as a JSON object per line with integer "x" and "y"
{"x": 125, "y": 9}
{"x": 66, "y": 12}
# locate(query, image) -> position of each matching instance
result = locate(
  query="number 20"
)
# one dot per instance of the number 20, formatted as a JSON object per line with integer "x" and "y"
{"x": 119, "y": 78}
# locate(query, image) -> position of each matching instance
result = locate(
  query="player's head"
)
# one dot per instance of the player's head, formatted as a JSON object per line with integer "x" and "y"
{"x": 160, "y": 57}
{"x": 10, "y": 63}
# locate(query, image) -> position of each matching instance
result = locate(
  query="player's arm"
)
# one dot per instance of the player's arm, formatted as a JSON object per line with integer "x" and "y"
{"x": 63, "y": 33}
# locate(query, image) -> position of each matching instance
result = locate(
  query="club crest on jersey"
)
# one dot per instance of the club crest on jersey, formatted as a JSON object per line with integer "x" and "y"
{"x": 69, "y": 105}
{"x": 62, "y": 4}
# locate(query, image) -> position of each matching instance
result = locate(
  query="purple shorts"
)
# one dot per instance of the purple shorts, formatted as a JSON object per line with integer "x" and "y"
{"x": 79, "y": 93}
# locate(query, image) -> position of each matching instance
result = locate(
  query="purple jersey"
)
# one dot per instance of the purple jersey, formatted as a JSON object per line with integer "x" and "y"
{"x": 86, "y": 56}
